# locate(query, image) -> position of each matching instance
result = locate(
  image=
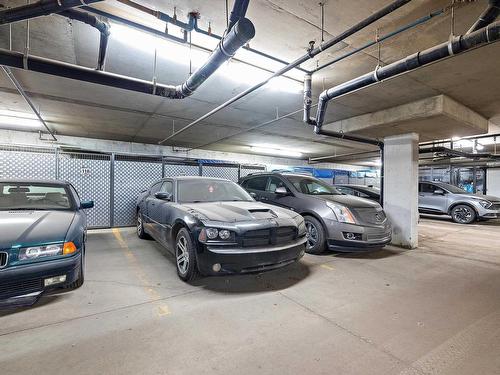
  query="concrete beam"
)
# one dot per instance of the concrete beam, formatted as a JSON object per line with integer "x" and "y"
{"x": 401, "y": 188}
{"x": 437, "y": 117}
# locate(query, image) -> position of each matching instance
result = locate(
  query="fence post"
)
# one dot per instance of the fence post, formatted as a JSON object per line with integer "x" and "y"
{"x": 112, "y": 191}
{"x": 57, "y": 163}
{"x": 200, "y": 168}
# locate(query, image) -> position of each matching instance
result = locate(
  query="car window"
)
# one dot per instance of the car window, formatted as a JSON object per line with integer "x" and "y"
{"x": 27, "y": 196}
{"x": 361, "y": 194}
{"x": 155, "y": 188}
{"x": 344, "y": 189}
{"x": 257, "y": 183}
{"x": 210, "y": 190}
{"x": 428, "y": 188}
{"x": 274, "y": 183}
{"x": 312, "y": 186}
{"x": 167, "y": 187}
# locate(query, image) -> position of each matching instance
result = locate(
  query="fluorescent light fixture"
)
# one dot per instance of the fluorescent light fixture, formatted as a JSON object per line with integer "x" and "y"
{"x": 479, "y": 147}
{"x": 18, "y": 119}
{"x": 182, "y": 54}
{"x": 377, "y": 163}
{"x": 270, "y": 150}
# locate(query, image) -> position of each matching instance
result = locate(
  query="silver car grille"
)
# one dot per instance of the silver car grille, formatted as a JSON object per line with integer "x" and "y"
{"x": 370, "y": 215}
{"x": 3, "y": 259}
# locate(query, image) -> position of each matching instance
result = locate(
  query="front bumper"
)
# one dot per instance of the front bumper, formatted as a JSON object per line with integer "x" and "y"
{"x": 28, "y": 280}
{"x": 372, "y": 236}
{"x": 248, "y": 260}
{"x": 484, "y": 213}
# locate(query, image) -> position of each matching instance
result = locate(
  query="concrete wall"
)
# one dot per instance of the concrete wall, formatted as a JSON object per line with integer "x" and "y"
{"x": 493, "y": 181}
{"x": 27, "y": 138}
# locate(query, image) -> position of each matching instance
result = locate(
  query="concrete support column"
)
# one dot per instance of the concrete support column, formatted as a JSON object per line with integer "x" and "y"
{"x": 401, "y": 188}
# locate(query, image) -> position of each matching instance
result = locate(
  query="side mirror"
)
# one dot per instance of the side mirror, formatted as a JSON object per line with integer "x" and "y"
{"x": 439, "y": 192}
{"x": 86, "y": 204}
{"x": 253, "y": 195}
{"x": 163, "y": 196}
{"x": 281, "y": 191}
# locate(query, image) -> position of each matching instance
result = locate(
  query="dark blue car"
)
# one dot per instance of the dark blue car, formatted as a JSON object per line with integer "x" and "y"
{"x": 42, "y": 239}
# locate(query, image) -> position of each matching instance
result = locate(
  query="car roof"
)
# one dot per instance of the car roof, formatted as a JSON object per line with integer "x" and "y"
{"x": 201, "y": 178}
{"x": 296, "y": 174}
{"x": 40, "y": 181}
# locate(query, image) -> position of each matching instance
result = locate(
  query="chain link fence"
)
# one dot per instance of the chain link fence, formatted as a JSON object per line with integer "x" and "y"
{"x": 112, "y": 181}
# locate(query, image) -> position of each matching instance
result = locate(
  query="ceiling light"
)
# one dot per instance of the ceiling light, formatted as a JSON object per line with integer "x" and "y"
{"x": 182, "y": 54}
{"x": 275, "y": 151}
{"x": 479, "y": 147}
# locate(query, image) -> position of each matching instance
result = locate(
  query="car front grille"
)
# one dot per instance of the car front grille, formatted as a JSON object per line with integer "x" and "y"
{"x": 3, "y": 259}
{"x": 370, "y": 215}
{"x": 270, "y": 236}
{"x": 495, "y": 206}
{"x": 20, "y": 287}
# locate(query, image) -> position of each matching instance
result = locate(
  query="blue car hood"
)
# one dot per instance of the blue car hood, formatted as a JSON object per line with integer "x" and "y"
{"x": 25, "y": 228}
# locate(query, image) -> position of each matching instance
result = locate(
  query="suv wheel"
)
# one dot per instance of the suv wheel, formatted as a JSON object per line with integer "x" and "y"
{"x": 463, "y": 214}
{"x": 315, "y": 236}
{"x": 140, "y": 227}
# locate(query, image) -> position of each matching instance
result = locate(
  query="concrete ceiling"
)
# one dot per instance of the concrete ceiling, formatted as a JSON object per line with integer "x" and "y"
{"x": 284, "y": 29}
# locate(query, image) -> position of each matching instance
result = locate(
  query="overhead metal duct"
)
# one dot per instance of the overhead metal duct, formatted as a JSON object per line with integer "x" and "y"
{"x": 456, "y": 45}
{"x": 40, "y": 8}
{"x": 488, "y": 16}
{"x": 93, "y": 21}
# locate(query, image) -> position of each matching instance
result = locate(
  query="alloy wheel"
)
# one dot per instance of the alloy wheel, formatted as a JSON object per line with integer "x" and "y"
{"x": 312, "y": 235}
{"x": 182, "y": 255}
{"x": 139, "y": 224}
{"x": 463, "y": 214}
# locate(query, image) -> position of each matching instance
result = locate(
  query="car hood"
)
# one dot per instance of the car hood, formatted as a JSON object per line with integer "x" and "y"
{"x": 24, "y": 228}
{"x": 350, "y": 201}
{"x": 232, "y": 212}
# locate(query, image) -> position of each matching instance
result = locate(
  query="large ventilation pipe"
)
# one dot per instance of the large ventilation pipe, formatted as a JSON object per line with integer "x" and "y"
{"x": 93, "y": 21}
{"x": 488, "y": 16}
{"x": 456, "y": 45}
{"x": 40, "y": 8}
{"x": 239, "y": 35}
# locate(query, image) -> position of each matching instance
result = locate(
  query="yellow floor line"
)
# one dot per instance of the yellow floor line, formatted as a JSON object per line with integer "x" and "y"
{"x": 163, "y": 309}
{"x": 326, "y": 266}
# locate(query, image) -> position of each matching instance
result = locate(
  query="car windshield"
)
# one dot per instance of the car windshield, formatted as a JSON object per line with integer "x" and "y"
{"x": 312, "y": 186}
{"x": 26, "y": 196}
{"x": 207, "y": 190}
{"x": 451, "y": 188}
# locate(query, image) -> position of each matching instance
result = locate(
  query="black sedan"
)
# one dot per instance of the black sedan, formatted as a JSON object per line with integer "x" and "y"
{"x": 213, "y": 227}
{"x": 42, "y": 241}
{"x": 362, "y": 191}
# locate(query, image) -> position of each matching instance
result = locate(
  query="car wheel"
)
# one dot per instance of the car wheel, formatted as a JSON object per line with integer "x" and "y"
{"x": 185, "y": 257}
{"x": 463, "y": 214}
{"x": 140, "y": 227}
{"x": 315, "y": 236}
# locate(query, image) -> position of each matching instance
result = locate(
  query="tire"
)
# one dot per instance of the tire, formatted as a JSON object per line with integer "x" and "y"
{"x": 81, "y": 273}
{"x": 185, "y": 256}
{"x": 140, "y": 227}
{"x": 316, "y": 240}
{"x": 463, "y": 214}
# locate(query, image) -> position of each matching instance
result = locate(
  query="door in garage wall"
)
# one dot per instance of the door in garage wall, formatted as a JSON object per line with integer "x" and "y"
{"x": 132, "y": 174}
{"x": 20, "y": 162}
{"x": 91, "y": 175}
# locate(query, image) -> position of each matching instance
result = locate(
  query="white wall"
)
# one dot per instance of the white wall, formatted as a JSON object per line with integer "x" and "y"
{"x": 493, "y": 181}
{"x": 27, "y": 138}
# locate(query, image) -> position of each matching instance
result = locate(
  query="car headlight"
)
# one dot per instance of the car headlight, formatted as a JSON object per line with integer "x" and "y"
{"x": 36, "y": 252}
{"x": 343, "y": 214}
{"x": 215, "y": 234}
{"x": 485, "y": 204}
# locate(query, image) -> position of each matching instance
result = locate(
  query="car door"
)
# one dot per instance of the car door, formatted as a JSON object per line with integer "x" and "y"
{"x": 256, "y": 186}
{"x": 270, "y": 196}
{"x": 164, "y": 212}
{"x": 428, "y": 200}
{"x": 152, "y": 206}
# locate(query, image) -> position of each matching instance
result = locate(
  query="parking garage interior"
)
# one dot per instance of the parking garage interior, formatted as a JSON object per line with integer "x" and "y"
{"x": 111, "y": 98}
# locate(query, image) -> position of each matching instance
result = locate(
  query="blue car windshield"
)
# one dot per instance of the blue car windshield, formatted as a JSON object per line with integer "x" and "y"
{"x": 207, "y": 190}
{"x": 26, "y": 196}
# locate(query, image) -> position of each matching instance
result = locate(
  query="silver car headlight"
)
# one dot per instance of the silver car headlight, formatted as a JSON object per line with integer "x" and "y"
{"x": 484, "y": 203}
{"x": 37, "y": 252}
{"x": 215, "y": 234}
{"x": 343, "y": 214}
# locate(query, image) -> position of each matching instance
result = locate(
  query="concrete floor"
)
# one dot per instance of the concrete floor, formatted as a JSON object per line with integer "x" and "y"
{"x": 435, "y": 310}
